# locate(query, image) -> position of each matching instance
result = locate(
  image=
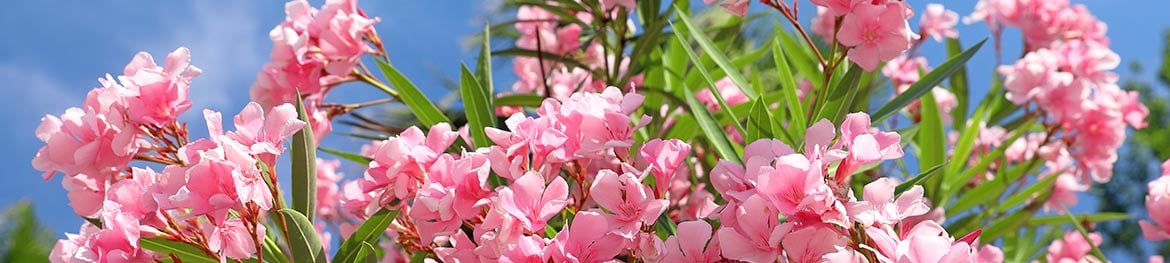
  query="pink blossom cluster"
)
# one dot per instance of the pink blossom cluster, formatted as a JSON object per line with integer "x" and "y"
{"x": 569, "y": 189}
{"x": 1067, "y": 74}
{"x": 1157, "y": 200}
{"x": 546, "y": 32}
{"x": 873, "y": 31}
{"x": 312, "y": 51}
{"x": 210, "y": 193}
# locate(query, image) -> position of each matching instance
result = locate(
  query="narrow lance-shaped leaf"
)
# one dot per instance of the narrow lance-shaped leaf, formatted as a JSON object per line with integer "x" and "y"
{"x": 711, "y": 83}
{"x": 483, "y": 67}
{"x": 716, "y": 54}
{"x": 302, "y": 237}
{"x": 477, "y": 106}
{"x": 423, "y": 108}
{"x": 304, "y": 166}
{"x": 788, "y": 87}
{"x": 183, "y": 251}
{"x": 926, "y": 83}
{"x": 958, "y": 84}
{"x": 712, "y": 130}
{"x": 353, "y": 157}
{"x": 525, "y": 100}
{"x": 368, "y": 232}
{"x": 931, "y": 141}
{"x": 367, "y": 253}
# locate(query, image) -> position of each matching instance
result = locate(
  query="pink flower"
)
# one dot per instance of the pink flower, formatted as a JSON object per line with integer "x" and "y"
{"x": 754, "y": 233}
{"x": 1073, "y": 248}
{"x": 86, "y": 194}
{"x": 210, "y": 189}
{"x": 1157, "y": 202}
{"x": 632, "y": 204}
{"x": 813, "y": 243}
{"x": 727, "y": 89}
{"x": 528, "y": 249}
{"x": 587, "y": 239}
{"x": 85, "y": 142}
{"x": 461, "y": 250}
{"x": 161, "y": 91}
{"x": 795, "y": 185}
{"x": 835, "y": 8}
{"x": 455, "y": 190}
{"x": 737, "y": 7}
{"x": 938, "y": 22}
{"x": 880, "y": 206}
{"x": 691, "y": 244}
{"x": 264, "y": 134}
{"x": 136, "y": 198}
{"x": 663, "y": 159}
{"x": 341, "y": 28}
{"x": 866, "y": 144}
{"x": 531, "y": 202}
{"x": 1065, "y": 191}
{"x": 875, "y": 33}
{"x": 328, "y": 192}
{"x": 73, "y": 247}
{"x": 232, "y": 240}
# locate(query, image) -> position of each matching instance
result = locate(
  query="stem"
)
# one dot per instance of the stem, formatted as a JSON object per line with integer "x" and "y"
{"x": 377, "y": 84}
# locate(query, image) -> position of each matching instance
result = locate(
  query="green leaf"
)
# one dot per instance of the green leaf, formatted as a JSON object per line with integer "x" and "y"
{"x": 353, "y": 157}
{"x": 1084, "y": 233}
{"x": 412, "y": 96}
{"x": 478, "y": 107}
{"x": 931, "y": 141}
{"x": 716, "y": 54}
{"x": 958, "y": 85}
{"x": 711, "y": 83}
{"x": 1027, "y": 193}
{"x": 304, "y": 166}
{"x": 368, "y": 232}
{"x": 788, "y": 86}
{"x": 183, "y": 251}
{"x": 272, "y": 252}
{"x": 419, "y": 257}
{"x": 953, "y": 183}
{"x": 986, "y": 192}
{"x": 966, "y": 141}
{"x": 926, "y": 83}
{"x": 802, "y": 58}
{"x": 918, "y": 179}
{"x": 759, "y": 123}
{"x": 711, "y": 129}
{"x": 1005, "y": 224}
{"x": 483, "y": 67}
{"x": 665, "y": 227}
{"x": 1061, "y": 219}
{"x": 302, "y": 237}
{"x": 525, "y": 100}
{"x": 840, "y": 106}
{"x": 367, "y": 253}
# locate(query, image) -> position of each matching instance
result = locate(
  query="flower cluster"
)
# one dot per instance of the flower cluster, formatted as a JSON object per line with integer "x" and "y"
{"x": 1066, "y": 75}
{"x": 873, "y": 31}
{"x": 212, "y": 192}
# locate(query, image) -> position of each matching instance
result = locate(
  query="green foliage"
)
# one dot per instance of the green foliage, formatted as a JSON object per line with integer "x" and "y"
{"x": 304, "y": 166}
{"x": 22, "y": 237}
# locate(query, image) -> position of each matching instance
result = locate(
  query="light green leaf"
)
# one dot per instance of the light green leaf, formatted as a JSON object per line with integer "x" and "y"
{"x": 848, "y": 85}
{"x": 1027, "y": 194}
{"x": 367, "y": 253}
{"x": 926, "y": 83}
{"x": 958, "y": 85}
{"x": 368, "y": 232}
{"x": 796, "y": 109}
{"x": 413, "y": 97}
{"x": 353, "y": 157}
{"x": 711, "y": 83}
{"x": 931, "y": 141}
{"x": 716, "y": 54}
{"x": 184, "y": 251}
{"x": 1062, "y": 219}
{"x": 304, "y": 166}
{"x": 544, "y": 55}
{"x": 665, "y": 227}
{"x": 483, "y": 67}
{"x": 759, "y": 123}
{"x": 918, "y": 179}
{"x": 478, "y": 108}
{"x": 302, "y": 237}
{"x": 1084, "y": 234}
{"x": 525, "y": 100}
{"x": 711, "y": 129}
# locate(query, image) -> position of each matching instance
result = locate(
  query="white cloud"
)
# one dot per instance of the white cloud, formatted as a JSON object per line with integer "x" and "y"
{"x": 38, "y": 91}
{"x": 228, "y": 41}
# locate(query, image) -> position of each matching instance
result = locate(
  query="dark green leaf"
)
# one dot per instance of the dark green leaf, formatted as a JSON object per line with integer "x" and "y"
{"x": 477, "y": 106}
{"x": 368, "y": 232}
{"x": 304, "y": 166}
{"x": 525, "y": 100}
{"x": 367, "y": 253}
{"x": 958, "y": 84}
{"x": 519, "y": 52}
{"x": 483, "y": 67}
{"x": 1062, "y": 219}
{"x": 302, "y": 237}
{"x": 932, "y": 142}
{"x": 926, "y": 83}
{"x": 353, "y": 157}
{"x": 183, "y": 251}
{"x": 414, "y": 99}
{"x": 711, "y": 129}
{"x": 918, "y": 179}
{"x": 715, "y": 53}
{"x": 711, "y": 83}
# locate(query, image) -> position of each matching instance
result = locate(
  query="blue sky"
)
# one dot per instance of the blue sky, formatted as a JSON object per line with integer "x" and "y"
{"x": 53, "y": 51}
